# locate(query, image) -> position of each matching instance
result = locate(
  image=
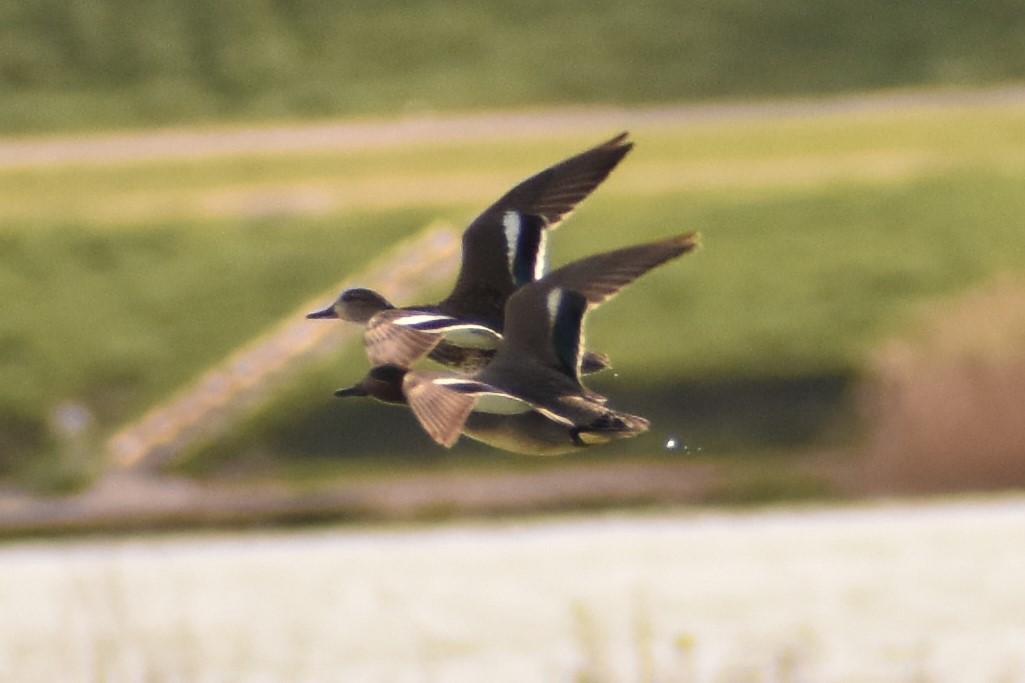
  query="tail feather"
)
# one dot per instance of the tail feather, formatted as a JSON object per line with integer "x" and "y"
{"x": 612, "y": 425}
{"x": 593, "y": 362}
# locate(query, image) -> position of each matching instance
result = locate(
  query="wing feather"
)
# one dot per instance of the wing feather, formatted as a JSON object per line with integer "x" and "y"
{"x": 484, "y": 282}
{"x": 441, "y": 410}
{"x": 388, "y": 342}
{"x": 602, "y": 276}
{"x": 533, "y": 328}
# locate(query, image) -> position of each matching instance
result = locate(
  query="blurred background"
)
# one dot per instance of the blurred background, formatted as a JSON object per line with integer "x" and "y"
{"x": 181, "y": 182}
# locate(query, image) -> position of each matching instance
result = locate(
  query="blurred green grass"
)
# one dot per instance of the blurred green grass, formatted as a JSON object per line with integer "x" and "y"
{"x": 113, "y": 63}
{"x": 116, "y": 319}
{"x": 822, "y": 235}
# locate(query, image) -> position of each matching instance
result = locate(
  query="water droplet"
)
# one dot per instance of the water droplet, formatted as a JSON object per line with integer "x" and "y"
{"x": 672, "y": 444}
{"x": 72, "y": 419}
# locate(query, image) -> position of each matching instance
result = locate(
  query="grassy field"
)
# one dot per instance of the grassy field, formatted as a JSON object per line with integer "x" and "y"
{"x": 824, "y": 233}
{"x": 874, "y": 594}
{"x": 112, "y": 63}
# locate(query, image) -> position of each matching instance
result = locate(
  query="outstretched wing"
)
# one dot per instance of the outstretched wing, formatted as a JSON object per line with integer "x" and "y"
{"x": 503, "y": 248}
{"x": 602, "y": 276}
{"x": 544, "y": 319}
{"x": 441, "y": 410}
{"x": 442, "y": 403}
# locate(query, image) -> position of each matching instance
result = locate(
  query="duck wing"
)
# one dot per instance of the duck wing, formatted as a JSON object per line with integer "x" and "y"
{"x": 504, "y": 247}
{"x": 442, "y": 403}
{"x": 544, "y": 319}
{"x": 398, "y": 337}
{"x": 603, "y": 276}
{"x": 402, "y": 337}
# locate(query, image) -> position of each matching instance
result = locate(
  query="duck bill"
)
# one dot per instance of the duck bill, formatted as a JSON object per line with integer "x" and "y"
{"x": 328, "y": 312}
{"x": 355, "y": 390}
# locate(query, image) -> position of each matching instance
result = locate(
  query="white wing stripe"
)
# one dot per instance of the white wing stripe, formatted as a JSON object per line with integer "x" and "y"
{"x": 553, "y": 302}
{"x": 419, "y": 319}
{"x": 539, "y": 263}
{"x": 513, "y": 224}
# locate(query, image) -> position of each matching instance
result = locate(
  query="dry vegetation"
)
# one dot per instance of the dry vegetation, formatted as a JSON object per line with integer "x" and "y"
{"x": 947, "y": 402}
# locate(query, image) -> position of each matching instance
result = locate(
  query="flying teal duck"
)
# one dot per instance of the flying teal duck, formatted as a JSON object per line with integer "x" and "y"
{"x": 503, "y": 249}
{"x": 529, "y": 398}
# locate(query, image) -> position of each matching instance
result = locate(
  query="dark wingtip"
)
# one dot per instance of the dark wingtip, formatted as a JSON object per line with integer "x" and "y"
{"x": 687, "y": 242}
{"x": 620, "y": 146}
{"x": 620, "y": 140}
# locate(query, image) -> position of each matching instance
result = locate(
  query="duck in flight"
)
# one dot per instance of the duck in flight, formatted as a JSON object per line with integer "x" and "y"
{"x": 529, "y": 398}
{"x": 502, "y": 250}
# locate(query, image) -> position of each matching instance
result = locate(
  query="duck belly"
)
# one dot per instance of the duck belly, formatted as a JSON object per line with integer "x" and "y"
{"x": 529, "y": 433}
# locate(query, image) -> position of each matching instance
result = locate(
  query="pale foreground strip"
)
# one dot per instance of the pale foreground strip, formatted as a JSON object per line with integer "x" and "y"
{"x": 920, "y": 592}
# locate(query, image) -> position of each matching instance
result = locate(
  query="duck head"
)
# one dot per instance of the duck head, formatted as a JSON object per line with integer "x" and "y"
{"x": 356, "y": 305}
{"x": 383, "y": 382}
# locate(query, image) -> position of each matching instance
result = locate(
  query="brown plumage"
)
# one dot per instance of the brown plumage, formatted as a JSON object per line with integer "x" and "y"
{"x": 529, "y": 398}
{"x": 503, "y": 248}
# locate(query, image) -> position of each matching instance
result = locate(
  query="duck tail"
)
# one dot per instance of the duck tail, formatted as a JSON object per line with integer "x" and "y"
{"x": 612, "y": 425}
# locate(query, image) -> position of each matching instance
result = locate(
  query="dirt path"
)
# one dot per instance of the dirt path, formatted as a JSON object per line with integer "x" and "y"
{"x": 126, "y": 500}
{"x": 186, "y": 143}
{"x": 95, "y": 178}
